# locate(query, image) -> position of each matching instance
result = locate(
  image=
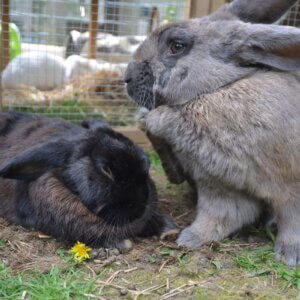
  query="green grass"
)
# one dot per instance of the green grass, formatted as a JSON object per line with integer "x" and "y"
{"x": 261, "y": 261}
{"x": 57, "y": 284}
{"x": 2, "y": 243}
{"x": 75, "y": 110}
{"x": 155, "y": 161}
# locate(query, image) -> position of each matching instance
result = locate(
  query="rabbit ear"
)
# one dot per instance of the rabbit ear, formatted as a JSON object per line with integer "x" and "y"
{"x": 37, "y": 160}
{"x": 258, "y": 11}
{"x": 271, "y": 45}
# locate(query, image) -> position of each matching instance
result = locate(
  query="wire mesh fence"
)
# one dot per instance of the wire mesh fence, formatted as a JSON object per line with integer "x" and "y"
{"x": 292, "y": 18}
{"x": 67, "y": 57}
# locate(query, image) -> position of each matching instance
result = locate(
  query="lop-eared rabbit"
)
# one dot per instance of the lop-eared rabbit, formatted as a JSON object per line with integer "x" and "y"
{"x": 77, "y": 183}
{"x": 224, "y": 98}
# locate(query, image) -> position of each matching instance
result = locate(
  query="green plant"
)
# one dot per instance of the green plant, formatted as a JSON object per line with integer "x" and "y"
{"x": 261, "y": 261}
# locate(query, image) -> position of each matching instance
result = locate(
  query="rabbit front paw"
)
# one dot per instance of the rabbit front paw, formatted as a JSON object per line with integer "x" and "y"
{"x": 123, "y": 245}
{"x": 169, "y": 228}
{"x": 190, "y": 238}
{"x": 288, "y": 251}
{"x": 141, "y": 118}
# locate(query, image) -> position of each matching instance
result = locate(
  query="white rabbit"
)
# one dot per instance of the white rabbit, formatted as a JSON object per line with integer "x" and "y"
{"x": 76, "y": 66}
{"x": 42, "y": 70}
{"x": 47, "y": 71}
{"x": 106, "y": 43}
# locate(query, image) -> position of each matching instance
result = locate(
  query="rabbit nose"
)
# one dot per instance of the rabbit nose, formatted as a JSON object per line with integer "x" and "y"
{"x": 127, "y": 79}
{"x": 129, "y": 72}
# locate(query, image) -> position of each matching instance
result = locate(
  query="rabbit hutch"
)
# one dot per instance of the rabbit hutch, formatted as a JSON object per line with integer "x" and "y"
{"x": 67, "y": 58}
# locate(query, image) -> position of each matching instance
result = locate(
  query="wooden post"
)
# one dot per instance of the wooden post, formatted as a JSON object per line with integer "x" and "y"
{"x": 216, "y": 4}
{"x": 93, "y": 28}
{"x": 199, "y": 8}
{"x": 204, "y": 7}
{"x": 5, "y": 53}
{"x": 187, "y": 9}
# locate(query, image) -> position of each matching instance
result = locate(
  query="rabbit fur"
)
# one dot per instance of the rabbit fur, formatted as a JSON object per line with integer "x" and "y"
{"x": 86, "y": 183}
{"x": 224, "y": 101}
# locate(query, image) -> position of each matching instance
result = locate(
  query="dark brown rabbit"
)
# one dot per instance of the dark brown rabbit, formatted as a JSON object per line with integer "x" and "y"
{"x": 224, "y": 101}
{"x": 86, "y": 183}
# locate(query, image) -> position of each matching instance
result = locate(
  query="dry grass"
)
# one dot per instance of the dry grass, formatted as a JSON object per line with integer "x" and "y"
{"x": 107, "y": 85}
{"x": 100, "y": 95}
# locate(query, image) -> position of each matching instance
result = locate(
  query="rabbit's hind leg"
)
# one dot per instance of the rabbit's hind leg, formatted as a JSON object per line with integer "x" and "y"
{"x": 220, "y": 212}
{"x": 288, "y": 223}
{"x": 24, "y": 212}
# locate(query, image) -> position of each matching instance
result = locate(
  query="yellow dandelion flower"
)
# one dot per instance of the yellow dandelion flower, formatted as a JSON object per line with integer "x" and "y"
{"x": 80, "y": 251}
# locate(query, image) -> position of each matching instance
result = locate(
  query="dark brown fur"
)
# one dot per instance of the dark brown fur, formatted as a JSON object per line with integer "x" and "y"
{"x": 50, "y": 195}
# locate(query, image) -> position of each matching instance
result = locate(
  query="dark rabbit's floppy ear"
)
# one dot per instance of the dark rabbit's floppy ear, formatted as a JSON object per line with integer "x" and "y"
{"x": 94, "y": 124}
{"x": 271, "y": 45}
{"x": 37, "y": 160}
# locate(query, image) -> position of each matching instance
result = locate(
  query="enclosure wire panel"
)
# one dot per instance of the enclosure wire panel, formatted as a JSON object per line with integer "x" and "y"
{"x": 46, "y": 78}
{"x": 292, "y": 18}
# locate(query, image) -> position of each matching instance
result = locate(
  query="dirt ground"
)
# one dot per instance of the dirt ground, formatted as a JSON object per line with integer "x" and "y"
{"x": 156, "y": 269}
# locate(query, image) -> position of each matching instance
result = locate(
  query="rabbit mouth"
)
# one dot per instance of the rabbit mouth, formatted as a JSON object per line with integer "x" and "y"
{"x": 142, "y": 95}
{"x": 158, "y": 99}
{"x": 139, "y": 80}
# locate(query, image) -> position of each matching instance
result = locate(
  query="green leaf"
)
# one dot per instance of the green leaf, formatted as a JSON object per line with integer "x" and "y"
{"x": 217, "y": 264}
{"x": 270, "y": 234}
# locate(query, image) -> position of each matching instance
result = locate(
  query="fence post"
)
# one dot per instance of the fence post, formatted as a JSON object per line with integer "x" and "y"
{"x": 199, "y": 8}
{"x": 5, "y": 54}
{"x": 204, "y": 7}
{"x": 187, "y": 9}
{"x": 215, "y": 4}
{"x": 93, "y": 28}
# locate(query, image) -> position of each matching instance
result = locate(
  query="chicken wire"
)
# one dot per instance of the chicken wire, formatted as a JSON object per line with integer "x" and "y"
{"x": 292, "y": 18}
{"x": 45, "y": 77}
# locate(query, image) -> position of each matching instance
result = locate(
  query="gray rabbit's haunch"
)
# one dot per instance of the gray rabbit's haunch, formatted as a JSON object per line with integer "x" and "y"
{"x": 224, "y": 101}
{"x": 83, "y": 183}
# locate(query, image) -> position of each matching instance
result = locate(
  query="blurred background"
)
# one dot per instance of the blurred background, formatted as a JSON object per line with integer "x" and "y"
{"x": 67, "y": 57}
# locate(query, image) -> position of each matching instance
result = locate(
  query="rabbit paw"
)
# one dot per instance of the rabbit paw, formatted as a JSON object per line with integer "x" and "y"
{"x": 190, "y": 238}
{"x": 124, "y": 246}
{"x": 288, "y": 252}
{"x": 141, "y": 117}
{"x": 169, "y": 228}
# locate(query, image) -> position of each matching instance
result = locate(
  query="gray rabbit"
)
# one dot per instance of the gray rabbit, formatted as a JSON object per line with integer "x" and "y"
{"x": 224, "y": 98}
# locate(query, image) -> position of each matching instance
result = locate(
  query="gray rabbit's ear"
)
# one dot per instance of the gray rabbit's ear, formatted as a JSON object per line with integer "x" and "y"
{"x": 254, "y": 11}
{"x": 258, "y": 11}
{"x": 37, "y": 160}
{"x": 271, "y": 45}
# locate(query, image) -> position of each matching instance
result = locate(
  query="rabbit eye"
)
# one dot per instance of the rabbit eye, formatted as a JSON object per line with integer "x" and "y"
{"x": 176, "y": 47}
{"x": 107, "y": 172}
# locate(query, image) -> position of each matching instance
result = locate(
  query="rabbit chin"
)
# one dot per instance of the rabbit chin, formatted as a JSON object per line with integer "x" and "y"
{"x": 160, "y": 96}
{"x": 165, "y": 97}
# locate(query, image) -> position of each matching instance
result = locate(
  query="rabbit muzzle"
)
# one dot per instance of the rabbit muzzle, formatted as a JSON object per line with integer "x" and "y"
{"x": 139, "y": 81}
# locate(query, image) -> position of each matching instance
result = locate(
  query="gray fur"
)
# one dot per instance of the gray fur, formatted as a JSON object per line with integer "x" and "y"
{"x": 257, "y": 11}
{"x": 229, "y": 110}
